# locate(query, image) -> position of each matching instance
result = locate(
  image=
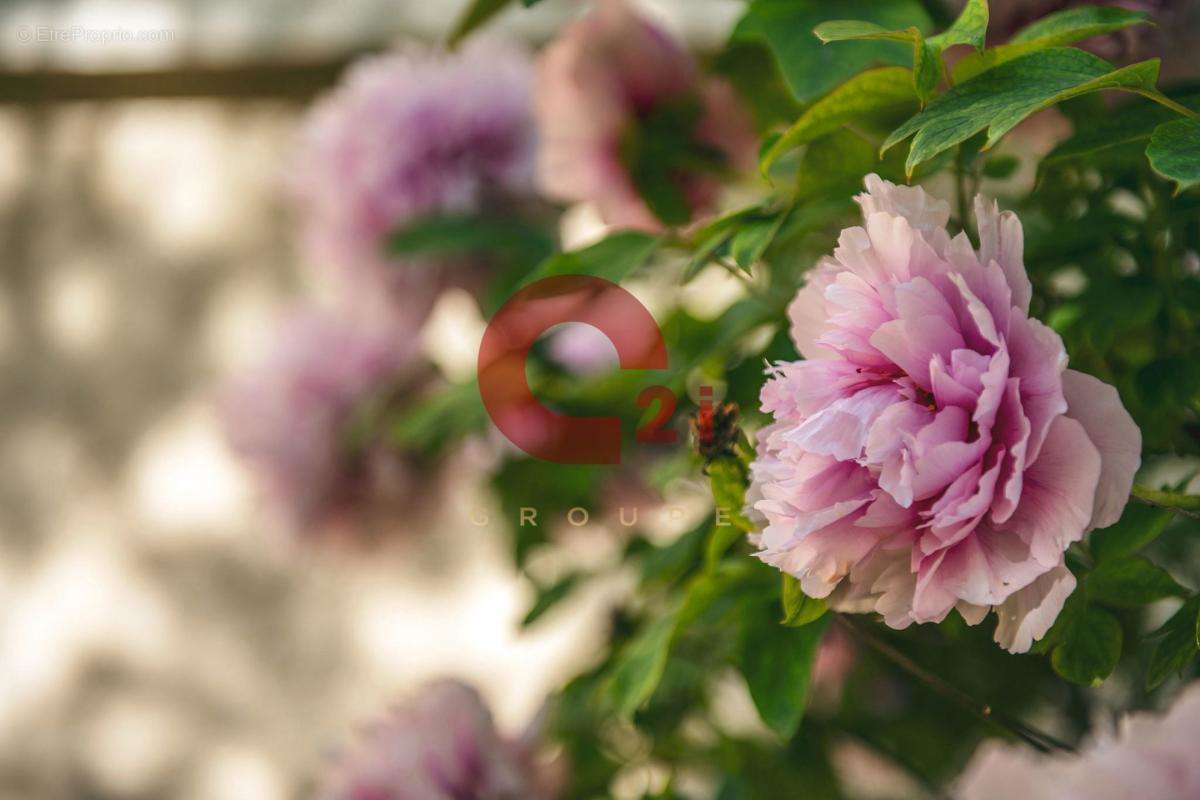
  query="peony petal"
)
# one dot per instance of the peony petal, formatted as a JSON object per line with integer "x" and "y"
{"x": 1038, "y": 360}
{"x": 1097, "y": 407}
{"x": 1002, "y": 240}
{"x": 1000, "y": 771}
{"x": 1028, "y": 613}
{"x": 807, "y": 311}
{"x": 1058, "y": 493}
{"x": 923, "y": 212}
{"x": 840, "y": 430}
{"x": 911, "y": 344}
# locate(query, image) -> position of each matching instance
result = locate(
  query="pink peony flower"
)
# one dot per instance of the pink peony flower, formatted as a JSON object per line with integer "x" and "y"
{"x": 440, "y": 746}
{"x": 410, "y": 134}
{"x": 292, "y": 419}
{"x": 1149, "y": 758}
{"x": 607, "y": 74}
{"x": 933, "y": 452}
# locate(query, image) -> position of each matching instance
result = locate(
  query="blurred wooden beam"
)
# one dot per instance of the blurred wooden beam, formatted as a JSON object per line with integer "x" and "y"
{"x": 292, "y": 80}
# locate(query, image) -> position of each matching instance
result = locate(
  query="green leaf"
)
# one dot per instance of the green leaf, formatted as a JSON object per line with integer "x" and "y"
{"x": 661, "y": 150}
{"x": 1130, "y": 582}
{"x": 970, "y": 27}
{"x": 512, "y": 239}
{"x": 640, "y": 665}
{"x": 926, "y": 58}
{"x": 439, "y": 419}
{"x": 550, "y": 596}
{"x": 999, "y": 99}
{"x": 753, "y": 239}
{"x": 727, "y": 477}
{"x": 670, "y": 562}
{"x": 613, "y": 258}
{"x": 716, "y": 235}
{"x": 476, "y": 14}
{"x": 887, "y": 89}
{"x": 1053, "y": 30}
{"x": 712, "y": 595}
{"x": 841, "y": 30}
{"x": 1178, "y": 645}
{"x": 777, "y": 663}
{"x": 755, "y": 76}
{"x": 1075, "y": 24}
{"x": 1129, "y": 124}
{"x": 927, "y": 70}
{"x": 1000, "y": 167}
{"x": 834, "y": 165}
{"x": 1089, "y": 646}
{"x": 1174, "y": 152}
{"x": 1138, "y": 526}
{"x": 798, "y": 608}
{"x": 1171, "y": 500}
{"x": 810, "y": 69}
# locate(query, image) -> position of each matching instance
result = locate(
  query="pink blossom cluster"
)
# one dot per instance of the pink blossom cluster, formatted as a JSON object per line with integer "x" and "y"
{"x": 441, "y": 745}
{"x": 604, "y": 76}
{"x": 1148, "y": 758}
{"x": 933, "y": 452}
{"x": 409, "y": 134}
{"x": 291, "y": 419}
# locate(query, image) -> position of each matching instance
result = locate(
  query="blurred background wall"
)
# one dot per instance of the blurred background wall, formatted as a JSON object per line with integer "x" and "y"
{"x": 157, "y": 639}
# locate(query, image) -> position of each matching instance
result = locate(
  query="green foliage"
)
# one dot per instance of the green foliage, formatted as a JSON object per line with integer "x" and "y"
{"x": 1000, "y": 98}
{"x": 1139, "y": 526}
{"x": 777, "y": 663}
{"x": 613, "y": 258}
{"x": 1129, "y": 582}
{"x": 970, "y": 28}
{"x": 748, "y": 245}
{"x": 550, "y": 596}
{"x": 1054, "y": 30}
{"x": 1074, "y": 24}
{"x": 715, "y": 237}
{"x": 1174, "y": 151}
{"x": 1086, "y": 642}
{"x": 1114, "y": 134}
{"x": 754, "y": 73}
{"x": 727, "y": 476}
{"x": 1177, "y": 646}
{"x": 475, "y": 15}
{"x": 811, "y": 71}
{"x": 886, "y": 90}
{"x": 439, "y": 419}
{"x": 663, "y": 155}
{"x": 460, "y": 235}
{"x": 798, "y": 608}
{"x": 640, "y": 666}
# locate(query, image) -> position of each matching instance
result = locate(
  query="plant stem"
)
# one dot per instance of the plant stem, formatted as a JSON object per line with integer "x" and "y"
{"x": 1043, "y": 742}
{"x": 1188, "y": 504}
{"x": 1163, "y": 100}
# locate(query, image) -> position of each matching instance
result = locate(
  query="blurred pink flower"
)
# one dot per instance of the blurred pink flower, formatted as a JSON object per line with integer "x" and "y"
{"x": 1149, "y": 758}
{"x": 440, "y": 746}
{"x": 409, "y": 134}
{"x": 291, "y": 419}
{"x": 933, "y": 452}
{"x": 607, "y": 74}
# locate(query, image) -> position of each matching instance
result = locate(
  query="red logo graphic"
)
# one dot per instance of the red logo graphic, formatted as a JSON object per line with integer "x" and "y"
{"x": 538, "y": 430}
